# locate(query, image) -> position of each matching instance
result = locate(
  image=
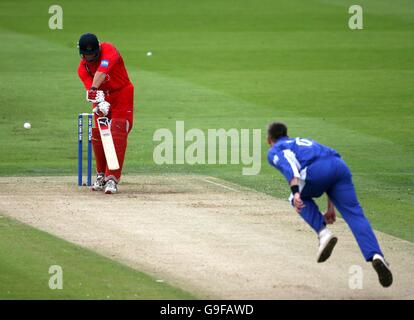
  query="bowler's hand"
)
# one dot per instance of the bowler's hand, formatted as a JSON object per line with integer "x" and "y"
{"x": 297, "y": 202}
{"x": 330, "y": 216}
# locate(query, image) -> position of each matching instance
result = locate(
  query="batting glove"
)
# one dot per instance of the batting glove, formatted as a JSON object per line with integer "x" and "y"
{"x": 102, "y": 109}
{"x": 95, "y": 96}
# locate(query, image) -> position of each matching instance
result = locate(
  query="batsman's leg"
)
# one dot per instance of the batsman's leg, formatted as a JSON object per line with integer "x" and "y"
{"x": 89, "y": 176}
{"x": 100, "y": 160}
{"x": 119, "y": 130}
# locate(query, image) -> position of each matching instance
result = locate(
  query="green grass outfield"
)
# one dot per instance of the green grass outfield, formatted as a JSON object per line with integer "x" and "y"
{"x": 224, "y": 64}
{"x": 27, "y": 254}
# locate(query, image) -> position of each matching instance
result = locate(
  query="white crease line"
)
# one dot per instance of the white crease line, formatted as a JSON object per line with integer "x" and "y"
{"x": 221, "y": 185}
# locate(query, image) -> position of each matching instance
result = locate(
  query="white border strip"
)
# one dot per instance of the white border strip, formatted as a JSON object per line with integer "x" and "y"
{"x": 221, "y": 185}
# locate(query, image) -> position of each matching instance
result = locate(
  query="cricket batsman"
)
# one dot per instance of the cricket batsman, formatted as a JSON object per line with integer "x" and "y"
{"x": 312, "y": 169}
{"x": 108, "y": 87}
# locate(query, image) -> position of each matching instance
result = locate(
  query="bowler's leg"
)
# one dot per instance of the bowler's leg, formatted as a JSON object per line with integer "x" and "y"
{"x": 327, "y": 240}
{"x": 311, "y": 214}
{"x": 344, "y": 197}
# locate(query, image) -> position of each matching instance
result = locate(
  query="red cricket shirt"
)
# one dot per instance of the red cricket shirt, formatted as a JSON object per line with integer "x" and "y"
{"x": 110, "y": 62}
{"x": 119, "y": 91}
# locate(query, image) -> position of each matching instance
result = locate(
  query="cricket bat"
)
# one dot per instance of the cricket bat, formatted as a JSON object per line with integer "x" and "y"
{"x": 108, "y": 143}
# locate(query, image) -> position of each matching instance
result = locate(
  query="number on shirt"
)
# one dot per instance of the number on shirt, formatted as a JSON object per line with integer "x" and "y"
{"x": 303, "y": 142}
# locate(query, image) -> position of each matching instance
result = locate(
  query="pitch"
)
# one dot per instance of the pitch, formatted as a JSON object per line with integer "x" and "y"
{"x": 207, "y": 236}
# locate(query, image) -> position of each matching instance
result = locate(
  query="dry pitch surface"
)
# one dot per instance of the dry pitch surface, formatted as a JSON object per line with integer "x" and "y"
{"x": 205, "y": 235}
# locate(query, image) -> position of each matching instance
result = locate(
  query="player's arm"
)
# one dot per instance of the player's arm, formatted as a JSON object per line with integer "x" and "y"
{"x": 98, "y": 79}
{"x": 102, "y": 107}
{"x": 85, "y": 77}
{"x": 297, "y": 201}
{"x": 330, "y": 215}
{"x": 87, "y": 80}
{"x": 281, "y": 162}
{"x": 108, "y": 59}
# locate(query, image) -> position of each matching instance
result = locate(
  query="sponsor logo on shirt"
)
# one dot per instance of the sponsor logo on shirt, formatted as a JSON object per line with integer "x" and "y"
{"x": 104, "y": 63}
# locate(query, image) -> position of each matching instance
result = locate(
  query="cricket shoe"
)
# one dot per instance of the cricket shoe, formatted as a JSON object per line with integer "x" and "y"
{"x": 327, "y": 242}
{"x": 111, "y": 187}
{"x": 383, "y": 269}
{"x": 99, "y": 184}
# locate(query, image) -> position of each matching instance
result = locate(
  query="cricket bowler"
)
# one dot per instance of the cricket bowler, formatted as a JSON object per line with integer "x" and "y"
{"x": 312, "y": 169}
{"x": 103, "y": 73}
